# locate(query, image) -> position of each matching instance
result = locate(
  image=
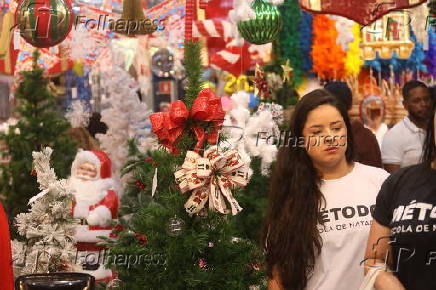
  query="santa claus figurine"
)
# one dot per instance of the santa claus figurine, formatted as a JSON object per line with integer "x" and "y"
{"x": 95, "y": 203}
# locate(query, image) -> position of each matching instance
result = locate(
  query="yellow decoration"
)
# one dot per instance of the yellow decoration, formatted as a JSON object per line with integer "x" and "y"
{"x": 78, "y": 68}
{"x": 389, "y": 34}
{"x": 209, "y": 85}
{"x": 287, "y": 70}
{"x": 236, "y": 84}
{"x": 6, "y": 33}
{"x": 353, "y": 61}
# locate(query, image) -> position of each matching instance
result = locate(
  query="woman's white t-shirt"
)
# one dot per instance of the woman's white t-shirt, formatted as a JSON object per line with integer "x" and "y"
{"x": 347, "y": 216}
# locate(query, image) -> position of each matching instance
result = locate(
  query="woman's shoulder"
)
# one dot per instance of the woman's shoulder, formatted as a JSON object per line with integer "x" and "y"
{"x": 372, "y": 174}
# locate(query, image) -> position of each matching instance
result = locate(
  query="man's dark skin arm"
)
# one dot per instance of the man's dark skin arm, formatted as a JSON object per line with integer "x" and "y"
{"x": 391, "y": 167}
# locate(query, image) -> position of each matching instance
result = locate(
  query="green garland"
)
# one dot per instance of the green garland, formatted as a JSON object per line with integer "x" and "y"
{"x": 287, "y": 45}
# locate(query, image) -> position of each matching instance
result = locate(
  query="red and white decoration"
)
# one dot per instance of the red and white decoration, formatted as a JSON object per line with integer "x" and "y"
{"x": 211, "y": 177}
{"x": 238, "y": 55}
{"x": 95, "y": 203}
{"x": 214, "y": 28}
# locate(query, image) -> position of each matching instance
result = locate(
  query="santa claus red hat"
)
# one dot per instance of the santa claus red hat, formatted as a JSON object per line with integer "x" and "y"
{"x": 96, "y": 157}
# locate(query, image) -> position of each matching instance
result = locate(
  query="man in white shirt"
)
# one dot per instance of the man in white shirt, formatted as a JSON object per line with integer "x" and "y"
{"x": 402, "y": 145}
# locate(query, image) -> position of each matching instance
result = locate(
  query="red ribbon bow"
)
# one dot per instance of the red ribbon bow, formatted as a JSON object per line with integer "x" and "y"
{"x": 169, "y": 126}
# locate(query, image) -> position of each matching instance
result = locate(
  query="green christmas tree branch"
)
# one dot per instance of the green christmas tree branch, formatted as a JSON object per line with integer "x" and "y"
{"x": 193, "y": 67}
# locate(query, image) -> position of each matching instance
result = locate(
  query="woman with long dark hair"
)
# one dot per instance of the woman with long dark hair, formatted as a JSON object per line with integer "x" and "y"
{"x": 319, "y": 201}
{"x": 403, "y": 234}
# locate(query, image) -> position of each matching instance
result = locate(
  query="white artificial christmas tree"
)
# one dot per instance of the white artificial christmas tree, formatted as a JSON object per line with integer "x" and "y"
{"x": 125, "y": 116}
{"x": 48, "y": 228}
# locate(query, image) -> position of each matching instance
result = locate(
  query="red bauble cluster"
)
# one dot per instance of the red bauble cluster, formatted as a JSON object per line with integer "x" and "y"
{"x": 139, "y": 185}
{"x": 115, "y": 232}
{"x": 142, "y": 240}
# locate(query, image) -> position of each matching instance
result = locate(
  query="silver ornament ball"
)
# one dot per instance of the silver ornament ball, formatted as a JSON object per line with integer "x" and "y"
{"x": 175, "y": 226}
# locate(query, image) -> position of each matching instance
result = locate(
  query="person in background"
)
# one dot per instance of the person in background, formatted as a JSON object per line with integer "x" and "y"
{"x": 164, "y": 107}
{"x": 433, "y": 93}
{"x": 402, "y": 145}
{"x": 404, "y": 225}
{"x": 366, "y": 148}
{"x": 319, "y": 203}
{"x": 372, "y": 110}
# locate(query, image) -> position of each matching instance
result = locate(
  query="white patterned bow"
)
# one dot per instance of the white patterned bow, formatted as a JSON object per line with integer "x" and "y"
{"x": 211, "y": 177}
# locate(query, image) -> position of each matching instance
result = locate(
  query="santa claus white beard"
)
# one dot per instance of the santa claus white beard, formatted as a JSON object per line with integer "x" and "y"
{"x": 90, "y": 191}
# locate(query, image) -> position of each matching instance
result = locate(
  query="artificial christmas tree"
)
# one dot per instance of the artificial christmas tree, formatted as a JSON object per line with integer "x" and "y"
{"x": 172, "y": 240}
{"x": 48, "y": 228}
{"x": 125, "y": 116}
{"x": 253, "y": 198}
{"x": 38, "y": 127}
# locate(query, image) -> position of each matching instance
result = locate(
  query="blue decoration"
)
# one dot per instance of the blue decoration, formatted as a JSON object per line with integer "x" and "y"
{"x": 413, "y": 63}
{"x": 431, "y": 53}
{"x": 254, "y": 101}
{"x": 72, "y": 80}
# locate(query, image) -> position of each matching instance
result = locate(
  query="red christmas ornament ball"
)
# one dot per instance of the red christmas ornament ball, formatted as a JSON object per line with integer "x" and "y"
{"x": 44, "y": 23}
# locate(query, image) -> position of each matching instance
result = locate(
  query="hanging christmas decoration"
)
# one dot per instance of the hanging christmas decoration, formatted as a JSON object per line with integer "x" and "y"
{"x": 133, "y": 21}
{"x": 363, "y": 12}
{"x": 44, "y": 23}
{"x": 162, "y": 63}
{"x": 344, "y": 29}
{"x": 305, "y": 28}
{"x": 287, "y": 71}
{"x": 206, "y": 109}
{"x": 261, "y": 84}
{"x": 328, "y": 57}
{"x": 235, "y": 84}
{"x": 287, "y": 44}
{"x": 388, "y": 35}
{"x": 353, "y": 61}
{"x": 211, "y": 177}
{"x": 233, "y": 59}
{"x": 431, "y": 53}
{"x": 264, "y": 27}
{"x": 175, "y": 226}
{"x": 414, "y": 63}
